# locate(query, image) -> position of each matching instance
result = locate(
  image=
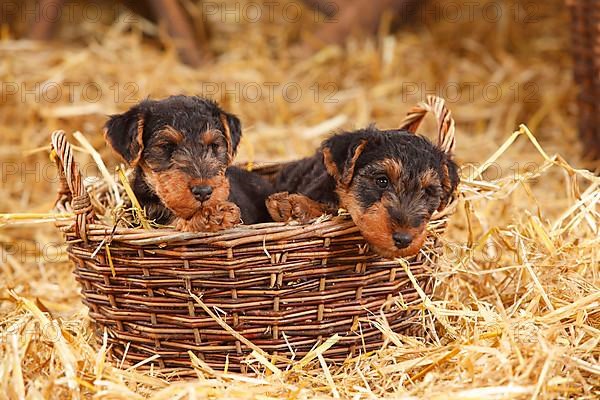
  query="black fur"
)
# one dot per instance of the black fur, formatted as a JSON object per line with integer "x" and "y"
{"x": 249, "y": 191}
{"x": 121, "y": 133}
{"x": 190, "y": 116}
{"x": 309, "y": 177}
{"x": 416, "y": 153}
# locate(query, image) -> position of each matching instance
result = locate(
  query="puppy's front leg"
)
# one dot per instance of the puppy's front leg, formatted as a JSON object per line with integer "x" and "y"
{"x": 284, "y": 206}
{"x": 221, "y": 216}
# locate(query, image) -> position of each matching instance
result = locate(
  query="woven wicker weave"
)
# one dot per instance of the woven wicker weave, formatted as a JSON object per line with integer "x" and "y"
{"x": 279, "y": 286}
{"x": 585, "y": 34}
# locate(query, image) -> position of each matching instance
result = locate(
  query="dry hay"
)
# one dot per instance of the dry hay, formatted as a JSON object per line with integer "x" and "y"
{"x": 517, "y": 306}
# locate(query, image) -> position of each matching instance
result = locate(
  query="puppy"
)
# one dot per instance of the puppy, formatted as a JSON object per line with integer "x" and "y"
{"x": 389, "y": 181}
{"x": 182, "y": 148}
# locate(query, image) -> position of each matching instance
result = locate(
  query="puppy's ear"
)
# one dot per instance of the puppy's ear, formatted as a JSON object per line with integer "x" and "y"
{"x": 340, "y": 153}
{"x": 232, "y": 128}
{"x": 124, "y": 133}
{"x": 449, "y": 180}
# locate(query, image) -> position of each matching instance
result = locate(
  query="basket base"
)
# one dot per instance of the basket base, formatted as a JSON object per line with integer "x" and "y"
{"x": 365, "y": 340}
{"x": 284, "y": 296}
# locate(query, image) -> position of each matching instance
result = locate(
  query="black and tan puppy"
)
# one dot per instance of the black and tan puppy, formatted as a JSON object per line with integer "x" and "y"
{"x": 389, "y": 181}
{"x": 182, "y": 148}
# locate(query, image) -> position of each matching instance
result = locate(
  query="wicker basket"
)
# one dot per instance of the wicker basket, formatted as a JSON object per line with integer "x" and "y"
{"x": 279, "y": 286}
{"x": 585, "y": 37}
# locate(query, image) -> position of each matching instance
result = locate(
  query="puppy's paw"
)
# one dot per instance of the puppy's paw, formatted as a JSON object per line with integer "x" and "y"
{"x": 194, "y": 224}
{"x": 284, "y": 207}
{"x": 221, "y": 216}
{"x": 279, "y": 207}
{"x": 224, "y": 215}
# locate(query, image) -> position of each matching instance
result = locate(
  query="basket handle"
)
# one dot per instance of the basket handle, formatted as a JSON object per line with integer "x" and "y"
{"x": 445, "y": 122}
{"x": 71, "y": 189}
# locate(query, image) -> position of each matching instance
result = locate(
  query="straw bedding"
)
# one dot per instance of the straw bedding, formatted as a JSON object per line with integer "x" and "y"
{"x": 516, "y": 312}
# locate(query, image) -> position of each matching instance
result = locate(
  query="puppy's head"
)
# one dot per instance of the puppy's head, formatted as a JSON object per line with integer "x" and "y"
{"x": 182, "y": 146}
{"x": 390, "y": 182}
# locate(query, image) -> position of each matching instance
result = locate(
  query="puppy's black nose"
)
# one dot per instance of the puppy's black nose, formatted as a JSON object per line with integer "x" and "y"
{"x": 202, "y": 192}
{"x": 402, "y": 240}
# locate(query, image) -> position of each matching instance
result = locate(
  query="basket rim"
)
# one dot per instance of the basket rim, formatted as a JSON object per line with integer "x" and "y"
{"x": 327, "y": 226}
{"x": 74, "y": 196}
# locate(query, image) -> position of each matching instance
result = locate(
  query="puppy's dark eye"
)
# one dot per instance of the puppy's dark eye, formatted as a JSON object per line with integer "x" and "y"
{"x": 432, "y": 190}
{"x": 168, "y": 147}
{"x": 382, "y": 181}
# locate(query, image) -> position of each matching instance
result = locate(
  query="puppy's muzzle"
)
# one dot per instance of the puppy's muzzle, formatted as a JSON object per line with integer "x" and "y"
{"x": 402, "y": 239}
{"x": 202, "y": 192}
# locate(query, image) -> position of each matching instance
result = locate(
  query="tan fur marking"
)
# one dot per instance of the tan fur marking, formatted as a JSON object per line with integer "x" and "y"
{"x": 220, "y": 185}
{"x": 227, "y": 134}
{"x": 173, "y": 188}
{"x": 419, "y": 235}
{"x": 345, "y": 178}
{"x": 139, "y": 138}
{"x": 377, "y": 228}
{"x": 330, "y": 165}
{"x": 209, "y": 137}
{"x": 393, "y": 169}
{"x": 349, "y": 173}
{"x": 429, "y": 178}
{"x": 171, "y": 134}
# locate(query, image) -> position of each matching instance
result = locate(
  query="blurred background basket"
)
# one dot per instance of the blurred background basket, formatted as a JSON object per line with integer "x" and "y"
{"x": 585, "y": 39}
{"x": 163, "y": 293}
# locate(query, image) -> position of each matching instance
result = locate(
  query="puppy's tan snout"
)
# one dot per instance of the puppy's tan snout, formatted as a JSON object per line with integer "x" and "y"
{"x": 202, "y": 192}
{"x": 402, "y": 239}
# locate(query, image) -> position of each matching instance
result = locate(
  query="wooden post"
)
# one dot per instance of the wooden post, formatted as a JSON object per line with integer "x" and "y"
{"x": 585, "y": 39}
{"x": 168, "y": 11}
{"x": 43, "y": 26}
{"x": 180, "y": 29}
{"x": 348, "y": 15}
